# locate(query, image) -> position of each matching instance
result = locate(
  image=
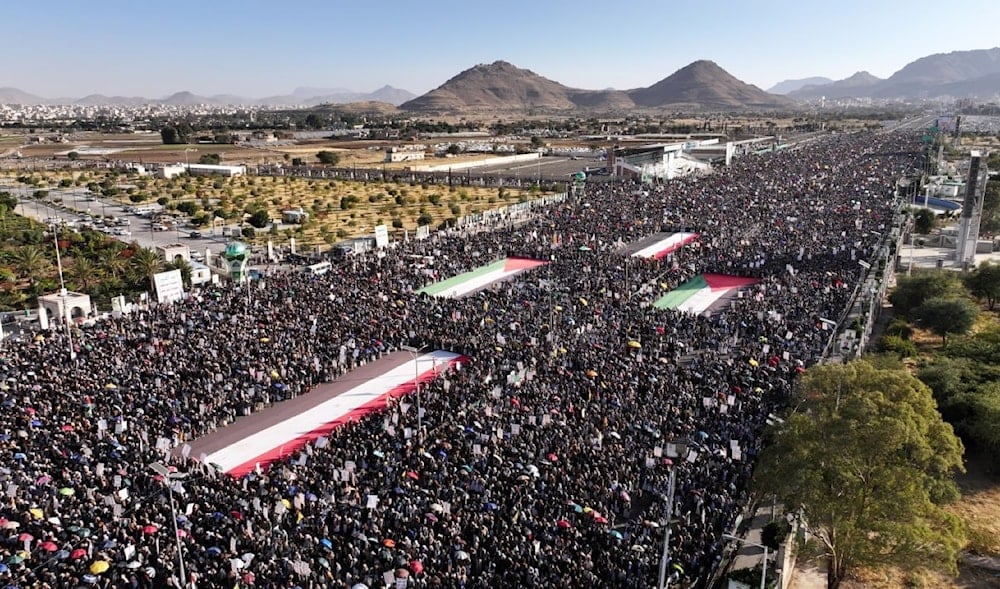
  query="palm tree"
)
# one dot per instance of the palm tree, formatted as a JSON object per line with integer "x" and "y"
{"x": 181, "y": 264}
{"x": 114, "y": 263}
{"x": 146, "y": 263}
{"x": 83, "y": 272}
{"x": 31, "y": 263}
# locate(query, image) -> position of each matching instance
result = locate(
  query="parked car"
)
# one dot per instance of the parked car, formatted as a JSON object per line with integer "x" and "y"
{"x": 194, "y": 234}
{"x": 159, "y": 227}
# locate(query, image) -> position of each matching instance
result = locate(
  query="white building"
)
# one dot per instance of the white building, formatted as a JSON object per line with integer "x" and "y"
{"x": 75, "y": 304}
{"x": 169, "y": 253}
{"x": 403, "y": 154}
{"x": 171, "y": 171}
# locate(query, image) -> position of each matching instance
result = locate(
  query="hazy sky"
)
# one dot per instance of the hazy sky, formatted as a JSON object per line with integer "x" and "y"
{"x": 254, "y": 48}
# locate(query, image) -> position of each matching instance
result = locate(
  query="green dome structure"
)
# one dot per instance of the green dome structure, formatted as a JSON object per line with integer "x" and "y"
{"x": 237, "y": 254}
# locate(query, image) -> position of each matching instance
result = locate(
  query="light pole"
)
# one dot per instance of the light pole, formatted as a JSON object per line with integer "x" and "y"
{"x": 671, "y": 487}
{"x": 415, "y": 352}
{"x": 63, "y": 293}
{"x": 763, "y": 566}
{"x": 168, "y": 477}
{"x": 187, "y": 166}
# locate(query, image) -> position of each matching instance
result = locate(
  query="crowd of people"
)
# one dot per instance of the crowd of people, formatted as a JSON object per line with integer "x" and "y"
{"x": 544, "y": 458}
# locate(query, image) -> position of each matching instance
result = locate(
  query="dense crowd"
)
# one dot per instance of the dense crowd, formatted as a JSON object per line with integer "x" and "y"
{"x": 544, "y": 459}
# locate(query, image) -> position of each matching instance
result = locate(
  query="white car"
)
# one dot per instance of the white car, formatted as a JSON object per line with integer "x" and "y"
{"x": 122, "y": 231}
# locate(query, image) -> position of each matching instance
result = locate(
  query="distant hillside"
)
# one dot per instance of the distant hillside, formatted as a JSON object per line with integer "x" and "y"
{"x": 859, "y": 84}
{"x": 15, "y": 96}
{"x": 498, "y": 86}
{"x": 300, "y": 97}
{"x": 786, "y": 86}
{"x": 705, "y": 84}
{"x": 958, "y": 74}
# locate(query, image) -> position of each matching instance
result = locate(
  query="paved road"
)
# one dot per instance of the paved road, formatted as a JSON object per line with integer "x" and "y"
{"x": 76, "y": 203}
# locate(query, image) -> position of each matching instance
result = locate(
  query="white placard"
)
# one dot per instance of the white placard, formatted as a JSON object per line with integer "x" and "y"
{"x": 169, "y": 286}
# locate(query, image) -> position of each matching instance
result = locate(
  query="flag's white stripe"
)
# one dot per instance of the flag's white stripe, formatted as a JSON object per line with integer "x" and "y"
{"x": 673, "y": 240}
{"x": 270, "y": 438}
{"x": 476, "y": 282}
{"x": 700, "y": 301}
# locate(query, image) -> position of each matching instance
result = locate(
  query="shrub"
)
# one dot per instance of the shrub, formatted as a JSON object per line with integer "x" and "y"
{"x": 895, "y": 344}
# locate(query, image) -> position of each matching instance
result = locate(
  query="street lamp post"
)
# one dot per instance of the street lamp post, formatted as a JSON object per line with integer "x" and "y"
{"x": 671, "y": 487}
{"x": 168, "y": 477}
{"x": 763, "y": 566}
{"x": 415, "y": 352}
{"x": 63, "y": 293}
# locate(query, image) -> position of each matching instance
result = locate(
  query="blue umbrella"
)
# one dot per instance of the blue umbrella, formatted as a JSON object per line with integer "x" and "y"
{"x": 20, "y": 456}
{"x": 492, "y": 506}
{"x": 616, "y": 534}
{"x": 326, "y": 542}
{"x": 3, "y": 568}
{"x": 214, "y": 551}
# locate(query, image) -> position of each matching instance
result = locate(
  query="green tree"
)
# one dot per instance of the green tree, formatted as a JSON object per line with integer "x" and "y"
{"x": 912, "y": 291}
{"x": 185, "y": 268}
{"x": 868, "y": 462}
{"x": 454, "y": 149}
{"x": 330, "y": 158}
{"x": 31, "y": 263}
{"x": 946, "y": 316}
{"x": 924, "y": 220}
{"x": 984, "y": 283}
{"x": 212, "y": 159}
{"x": 260, "y": 219}
{"x": 73, "y": 156}
{"x": 146, "y": 263}
{"x": 171, "y": 136}
{"x": 83, "y": 272}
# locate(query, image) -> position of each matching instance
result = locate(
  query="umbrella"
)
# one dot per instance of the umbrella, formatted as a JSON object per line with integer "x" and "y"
{"x": 389, "y": 543}
{"x": 3, "y": 568}
{"x": 600, "y": 519}
{"x": 637, "y": 548}
{"x": 78, "y": 553}
{"x": 15, "y": 559}
{"x": 552, "y": 457}
{"x": 437, "y": 507}
{"x": 412, "y": 474}
{"x": 213, "y": 551}
{"x": 359, "y": 586}
{"x": 327, "y": 543}
{"x": 416, "y": 566}
{"x": 36, "y": 512}
{"x": 43, "y": 480}
{"x": 25, "y": 537}
{"x": 67, "y": 491}
{"x": 62, "y": 554}
{"x": 591, "y": 373}
{"x": 616, "y": 534}
{"x": 48, "y": 546}
{"x": 99, "y": 566}
{"x": 11, "y": 525}
{"x": 133, "y": 564}
{"x": 237, "y": 563}
{"x": 564, "y": 524}
{"x": 461, "y": 555}
{"x": 634, "y": 344}
{"x": 431, "y": 517}
{"x": 150, "y": 529}
{"x": 89, "y": 579}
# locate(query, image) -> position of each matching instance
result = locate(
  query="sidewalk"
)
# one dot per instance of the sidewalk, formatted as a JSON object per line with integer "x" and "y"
{"x": 807, "y": 576}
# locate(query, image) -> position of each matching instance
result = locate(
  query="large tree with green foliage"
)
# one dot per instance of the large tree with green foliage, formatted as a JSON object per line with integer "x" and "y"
{"x": 946, "y": 316}
{"x": 984, "y": 283}
{"x": 912, "y": 291}
{"x": 330, "y": 158}
{"x": 867, "y": 461}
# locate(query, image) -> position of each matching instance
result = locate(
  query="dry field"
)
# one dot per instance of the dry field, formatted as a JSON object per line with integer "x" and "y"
{"x": 338, "y": 208}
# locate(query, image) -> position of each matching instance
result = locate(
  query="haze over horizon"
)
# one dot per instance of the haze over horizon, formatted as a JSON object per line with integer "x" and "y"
{"x": 255, "y": 48}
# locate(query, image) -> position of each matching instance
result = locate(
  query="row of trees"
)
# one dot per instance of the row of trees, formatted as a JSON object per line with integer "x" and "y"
{"x": 867, "y": 456}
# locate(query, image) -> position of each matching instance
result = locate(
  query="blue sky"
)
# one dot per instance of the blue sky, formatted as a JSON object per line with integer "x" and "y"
{"x": 71, "y": 48}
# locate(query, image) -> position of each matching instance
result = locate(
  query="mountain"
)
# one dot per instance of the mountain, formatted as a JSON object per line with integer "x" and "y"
{"x": 705, "y": 85}
{"x": 500, "y": 86}
{"x": 495, "y": 86}
{"x": 958, "y": 74}
{"x": 858, "y": 85}
{"x": 303, "y": 96}
{"x": 786, "y": 86}
{"x": 14, "y": 96}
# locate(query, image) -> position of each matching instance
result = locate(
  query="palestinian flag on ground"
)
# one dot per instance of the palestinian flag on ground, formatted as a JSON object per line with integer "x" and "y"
{"x": 704, "y": 293}
{"x": 480, "y": 278}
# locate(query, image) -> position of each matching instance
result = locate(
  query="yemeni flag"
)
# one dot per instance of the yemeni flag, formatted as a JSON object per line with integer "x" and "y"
{"x": 480, "y": 278}
{"x": 704, "y": 293}
{"x": 661, "y": 246}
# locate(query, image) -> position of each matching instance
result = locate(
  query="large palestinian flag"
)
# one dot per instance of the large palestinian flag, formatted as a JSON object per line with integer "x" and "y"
{"x": 661, "y": 245}
{"x": 285, "y": 428}
{"x": 480, "y": 278}
{"x": 704, "y": 293}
